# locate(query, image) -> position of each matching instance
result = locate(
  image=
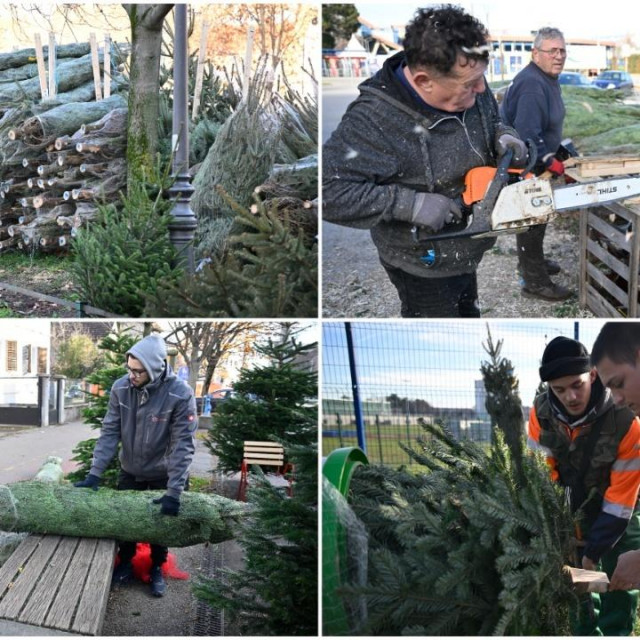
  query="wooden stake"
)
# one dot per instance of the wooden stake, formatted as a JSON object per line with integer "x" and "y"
{"x": 200, "y": 69}
{"x": 95, "y": 63}
{"x": 247, "y": 64}
{"x": 53, "y": 89}
{"x": 42, "y": 72}
{"x": 107, "y": 65}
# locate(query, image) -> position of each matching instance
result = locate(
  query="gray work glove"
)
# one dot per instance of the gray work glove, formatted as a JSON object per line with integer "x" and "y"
{"x": 519, "y": 148}
{"x": 432, "y": 211}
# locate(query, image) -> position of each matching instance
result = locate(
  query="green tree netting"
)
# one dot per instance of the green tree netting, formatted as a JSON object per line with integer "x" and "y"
{"x": 39, "y": 507}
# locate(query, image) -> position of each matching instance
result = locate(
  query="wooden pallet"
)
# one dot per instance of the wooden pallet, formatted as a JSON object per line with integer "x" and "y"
{"x": 58, "y": 582}
{"x": 610, "y": 260}
{"x": 600, "y": 166}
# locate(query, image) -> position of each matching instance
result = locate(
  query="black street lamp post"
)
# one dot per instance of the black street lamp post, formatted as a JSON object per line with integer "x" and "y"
{"x": 183, "y": 225}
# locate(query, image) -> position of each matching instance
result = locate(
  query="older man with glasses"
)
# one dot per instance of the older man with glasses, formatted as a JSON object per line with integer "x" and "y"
{"x": 533, "y": 106}
{"x": 152, "y": 414}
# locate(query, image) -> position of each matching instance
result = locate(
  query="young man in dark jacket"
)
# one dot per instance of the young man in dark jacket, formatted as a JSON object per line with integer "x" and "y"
{"x": 152, "y": 414}
{"x": 533, "y": 106}
{"x": 591, "y": 447}
{"x": 397, "y": 161}
{"x": 616, "y": 356}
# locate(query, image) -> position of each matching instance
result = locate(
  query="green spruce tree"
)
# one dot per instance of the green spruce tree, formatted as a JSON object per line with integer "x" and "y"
{"x": 469, "y": 546}
{"x": 121, "y": 257}
{"x": 276, "y": 593}
{"x": 503, "y": 402}
{"x": 114, "y": 348}
{"x": 274, "y": 401}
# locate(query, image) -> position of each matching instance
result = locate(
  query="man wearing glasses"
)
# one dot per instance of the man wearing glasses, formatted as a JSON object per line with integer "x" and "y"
{"x": 533, "y": 106}
{"x": 152, "y": 414}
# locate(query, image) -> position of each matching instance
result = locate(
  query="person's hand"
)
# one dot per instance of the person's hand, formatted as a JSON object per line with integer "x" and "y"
{"x": 170, "y": 506}
{"x": 432, "y": 211}
{"x": 588, "y": 564}
{"x": 555, "y": 166}
{"x": 627, "y": 573}
{"x": 519, "y": 148}
{"x": 90, "y": 482}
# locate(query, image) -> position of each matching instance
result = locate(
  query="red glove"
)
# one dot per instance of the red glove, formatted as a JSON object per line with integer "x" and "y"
{"x": 556, "y": 167}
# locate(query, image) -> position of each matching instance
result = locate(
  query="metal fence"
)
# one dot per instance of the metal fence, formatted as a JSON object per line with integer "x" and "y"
{"x": 403, "y": 372}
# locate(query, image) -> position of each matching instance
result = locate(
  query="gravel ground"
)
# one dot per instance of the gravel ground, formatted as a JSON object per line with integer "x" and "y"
{"x": 354, "y": 284}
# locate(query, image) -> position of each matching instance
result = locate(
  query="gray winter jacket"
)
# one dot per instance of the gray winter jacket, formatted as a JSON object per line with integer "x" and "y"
{"x": 386, "y": 149}
{"x": 156, "y": 424}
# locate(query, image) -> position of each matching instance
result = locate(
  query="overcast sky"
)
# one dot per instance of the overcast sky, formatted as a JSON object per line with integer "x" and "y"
{"x": 612, "y": 20}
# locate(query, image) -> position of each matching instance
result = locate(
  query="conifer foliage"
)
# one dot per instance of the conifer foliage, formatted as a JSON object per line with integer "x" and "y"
{"x": 277, "y": 400}
{"x": 470, "y": 546}
{"x": 126, "y": 251}
{"x": 115, "y": 348}
{"x": 276, "y": 593}
{"x": 503, "y": 400}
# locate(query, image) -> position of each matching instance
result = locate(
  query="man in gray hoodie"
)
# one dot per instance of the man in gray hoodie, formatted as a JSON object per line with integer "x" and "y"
{"x": 153, "y": 415}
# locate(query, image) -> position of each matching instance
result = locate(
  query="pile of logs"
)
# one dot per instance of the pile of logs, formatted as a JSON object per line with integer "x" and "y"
{"x": 59, "y": 156}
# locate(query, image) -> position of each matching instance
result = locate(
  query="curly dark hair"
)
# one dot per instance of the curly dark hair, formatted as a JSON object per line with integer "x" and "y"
{"x": 439, "y": 34}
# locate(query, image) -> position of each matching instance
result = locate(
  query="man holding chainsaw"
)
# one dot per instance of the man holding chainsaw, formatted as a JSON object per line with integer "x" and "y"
{"x": 396, "y": 163}
{"x": 533, "y": 106}
{"x": 591, "y": 447}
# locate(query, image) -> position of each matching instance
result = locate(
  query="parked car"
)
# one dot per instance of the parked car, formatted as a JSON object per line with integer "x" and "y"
{"x": 573, "y": 79}
{"x": 619, "y": 80}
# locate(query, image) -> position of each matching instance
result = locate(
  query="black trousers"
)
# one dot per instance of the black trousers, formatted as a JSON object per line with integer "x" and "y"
{"x": 449, "y": 297}
{"x": 531, "y": 256}
{"x": 126, "y": 551}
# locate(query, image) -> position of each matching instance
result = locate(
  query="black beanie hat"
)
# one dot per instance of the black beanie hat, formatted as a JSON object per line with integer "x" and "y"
{"x": 564, "y": 357}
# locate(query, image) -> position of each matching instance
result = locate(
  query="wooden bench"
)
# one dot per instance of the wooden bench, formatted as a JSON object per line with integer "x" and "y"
{"x": 265, "y": 453}
{"x": 58, "y": 582}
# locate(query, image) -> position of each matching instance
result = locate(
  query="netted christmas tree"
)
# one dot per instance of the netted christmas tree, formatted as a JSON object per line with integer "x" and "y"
{"x": 114, "y": 347}
{"x": 274, "y": 401}
{"x": 472, "y": 545}
{"x": 503, "y": 399}
{"x": 276, "y": 592}
{"x": 268, "y": 270}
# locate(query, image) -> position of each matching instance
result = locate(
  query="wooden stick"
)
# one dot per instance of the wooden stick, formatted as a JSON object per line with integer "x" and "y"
{"x": 247, "y": 64}
{"x": 107, "y": 65}
{"x": 200, "y": 69}
{"x": 53, "y": 89}
{"x": 588, "y": 581}
{"x": 95, "y": 63}
{"x": 42, "y": 72}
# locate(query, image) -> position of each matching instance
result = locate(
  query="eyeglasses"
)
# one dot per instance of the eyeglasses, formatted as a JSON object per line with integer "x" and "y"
{"x": 136, "y": 373}
{"x": 554, "y": 52}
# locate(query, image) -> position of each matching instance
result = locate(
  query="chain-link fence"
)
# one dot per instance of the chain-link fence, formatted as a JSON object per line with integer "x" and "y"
{"x": 404, "y": 372}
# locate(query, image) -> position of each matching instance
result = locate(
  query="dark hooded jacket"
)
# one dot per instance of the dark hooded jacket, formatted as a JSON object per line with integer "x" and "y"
{"x": 156, "y": 424}
{"x": 387, "y": 148}
{"x": 596, "y": 456}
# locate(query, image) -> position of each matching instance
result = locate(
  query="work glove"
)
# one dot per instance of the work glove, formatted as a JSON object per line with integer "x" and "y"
{"x": 520, "y": 153}
{"x": 90, "y": 482}
{"x": 170, "y": 506}
{"x": 555, "y": 166}
{"x": 432, "y": 211}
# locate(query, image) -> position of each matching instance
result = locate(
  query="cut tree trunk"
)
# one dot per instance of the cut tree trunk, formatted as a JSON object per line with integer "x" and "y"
{"x": 120, "y": 515}
{"x": 68, "y": 118}
{"x": 26, "y": 56}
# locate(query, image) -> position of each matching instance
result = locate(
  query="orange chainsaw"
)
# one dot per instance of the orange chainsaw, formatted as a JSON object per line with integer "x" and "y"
{"x": 499, "y": 200}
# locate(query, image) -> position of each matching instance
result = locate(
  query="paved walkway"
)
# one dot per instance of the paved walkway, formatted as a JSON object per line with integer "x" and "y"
{"x": 22, "y": 453}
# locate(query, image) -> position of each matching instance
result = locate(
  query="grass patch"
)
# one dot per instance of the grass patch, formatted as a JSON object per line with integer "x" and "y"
{"x": 199, "y": 485}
